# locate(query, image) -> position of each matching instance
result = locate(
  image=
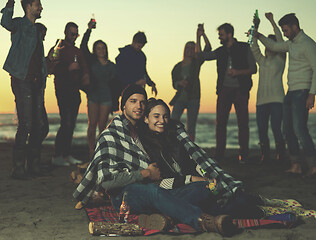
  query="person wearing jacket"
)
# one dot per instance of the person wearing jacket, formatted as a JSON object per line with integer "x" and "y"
{"x": 235, "y": 65}
{"x": 121, "y": 164}
{"x": 71, "y": 74}
{"x": 26, "y": 65}
{"x": 131, "y": 64}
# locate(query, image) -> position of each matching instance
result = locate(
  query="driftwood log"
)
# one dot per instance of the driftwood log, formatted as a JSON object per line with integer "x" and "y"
{"x": 122, "y": 229}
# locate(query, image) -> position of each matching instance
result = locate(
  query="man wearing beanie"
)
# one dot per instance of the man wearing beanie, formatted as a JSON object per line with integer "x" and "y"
{"x": 120, "y": 160}
{"x": 117, "y": 146}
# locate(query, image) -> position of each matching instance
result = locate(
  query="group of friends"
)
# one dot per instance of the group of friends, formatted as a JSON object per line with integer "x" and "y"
{"x": 145, "y": 154}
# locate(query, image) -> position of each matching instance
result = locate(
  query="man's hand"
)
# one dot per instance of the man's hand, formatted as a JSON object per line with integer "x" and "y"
{"x": 152, "y": 172}
{"x": 233, "y": 72}
{"x": 200, "y": 30}
{"x": 269, "y": 16}
{"x": 256, "y": 21}
{"x": 198, "y": 179}
{"x": 74, "y": 66}
{"x": 141, "y": 82}
{"x": 91, "y": 25}
{"x": 310, "y": 101}
{"x": 154, "y": 90}
{"x": 10, "y": 4}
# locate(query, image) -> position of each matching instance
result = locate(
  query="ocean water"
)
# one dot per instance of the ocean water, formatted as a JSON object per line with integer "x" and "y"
{"x": 205, "y": 132}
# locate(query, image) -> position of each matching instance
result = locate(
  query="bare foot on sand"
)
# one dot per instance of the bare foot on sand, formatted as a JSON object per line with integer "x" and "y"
{"x": 311, "y": 172}
{"x": 295, "y": 168}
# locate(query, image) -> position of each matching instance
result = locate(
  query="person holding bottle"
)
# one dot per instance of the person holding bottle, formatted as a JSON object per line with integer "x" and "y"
{"x": 103, "y": 90}
{"x": 185, "y": 79}
{"x": 233, "y": 86}
{"x": 300, "y": 97}
{"x": 71, "y": 73}
{"x": 270, "y": 93}
{"x": 26, "y": 65}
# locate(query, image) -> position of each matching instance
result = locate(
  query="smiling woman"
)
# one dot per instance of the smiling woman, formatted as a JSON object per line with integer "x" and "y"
{"x": 157, "y": 115}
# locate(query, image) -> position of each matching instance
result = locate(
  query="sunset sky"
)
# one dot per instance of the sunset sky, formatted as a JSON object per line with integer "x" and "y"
{"x": 168, "y": 24}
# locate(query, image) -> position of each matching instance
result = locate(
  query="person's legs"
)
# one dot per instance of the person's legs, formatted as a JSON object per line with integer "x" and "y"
{"x": 36, "y": 134}
{"x": 68, "y": 103}
{"x": 291, "y": 139}
{"x": 45, "y": 130}
{"x": 194, "y": 193}
{"x": 178, "y": 109}
{"x": 192, "y": 116}
{"x": 241, "y": 107}
{"x": 241, "y": 205}
{"x": 223, "y": 107}
{"x": 105, "y": 111}
{"x": 300, "y": 117}
{"x": 150, "y": 198}
{"x": 23, "y": 100}
{"x": 276, "y": 121}
{"x": 75, "y": 101}
{"x": 63, "y": 112}
{"x": 93, "y": 117}
{"x": 262, "y": 116}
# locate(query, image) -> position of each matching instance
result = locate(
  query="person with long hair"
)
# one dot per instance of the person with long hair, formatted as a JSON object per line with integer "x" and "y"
{"x": 185, "y": 79}
{"x": 164, "y": 141}
{"x": 101, "y": 94}
{"x": 270, "y": 94}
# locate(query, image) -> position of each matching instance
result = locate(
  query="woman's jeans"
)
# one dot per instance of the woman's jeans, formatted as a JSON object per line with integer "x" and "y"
{"x": 186, "y": 203}
{"x": 263, "y": 114}
{"x": 295, "y": 125}
{"x": 192, "y": 107}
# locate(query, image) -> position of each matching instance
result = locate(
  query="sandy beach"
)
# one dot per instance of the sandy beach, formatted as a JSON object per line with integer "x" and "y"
{"x": 43, "y": 208}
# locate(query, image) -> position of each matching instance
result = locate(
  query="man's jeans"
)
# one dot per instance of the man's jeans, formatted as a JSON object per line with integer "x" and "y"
{"x": 185, "y": 203}
{"x": 68, "y": 103}
{"x": 225, "y": 99}
{"x": 295, "y": 124}
{"x": 192, "y": 107}
{"x": 263, "y": 114}
{"x": 29, "y": 99}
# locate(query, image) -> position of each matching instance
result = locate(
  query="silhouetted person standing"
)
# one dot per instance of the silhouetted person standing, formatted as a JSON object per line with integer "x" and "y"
{"x": 27, "y": 67}
{"x": 235, "y": 65}
{"x": 71, "y": 73}
{"x": 300, "y": 97}
{"x": 131, "y": 64}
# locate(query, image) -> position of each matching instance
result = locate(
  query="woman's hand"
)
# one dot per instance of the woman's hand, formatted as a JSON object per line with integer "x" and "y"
{"x": 198, "y": 179}
{"x": 152, "y": 172}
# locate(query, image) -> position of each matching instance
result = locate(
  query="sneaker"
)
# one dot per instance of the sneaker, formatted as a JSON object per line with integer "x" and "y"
{"x": 70, "y": 159}
{"x": 60, "y": 161}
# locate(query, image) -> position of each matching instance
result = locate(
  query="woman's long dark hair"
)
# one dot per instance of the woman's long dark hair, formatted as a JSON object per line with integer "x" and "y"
{"x": 95, "y": 46}
{"x": 153, "y": 139}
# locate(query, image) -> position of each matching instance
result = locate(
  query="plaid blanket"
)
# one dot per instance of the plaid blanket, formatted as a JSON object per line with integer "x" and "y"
{"x": 117, "y": 151}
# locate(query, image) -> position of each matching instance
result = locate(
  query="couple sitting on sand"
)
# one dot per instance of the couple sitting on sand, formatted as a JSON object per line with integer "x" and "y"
{"x": 149, "y": 159}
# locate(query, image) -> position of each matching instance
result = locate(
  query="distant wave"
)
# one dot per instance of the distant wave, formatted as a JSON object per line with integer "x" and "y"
{"x": 205, "y": 130}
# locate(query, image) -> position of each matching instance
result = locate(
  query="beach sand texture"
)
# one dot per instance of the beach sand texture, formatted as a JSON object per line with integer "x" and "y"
{"x": 43, "y": 208}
